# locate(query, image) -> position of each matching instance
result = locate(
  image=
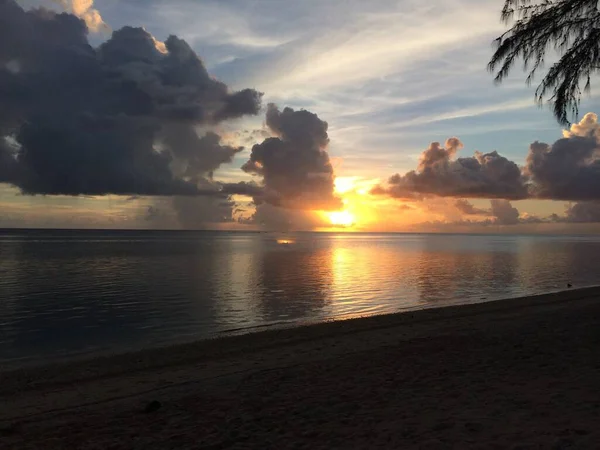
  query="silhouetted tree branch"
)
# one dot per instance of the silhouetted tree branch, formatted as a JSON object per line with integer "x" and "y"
{"x": 572, "y": 28}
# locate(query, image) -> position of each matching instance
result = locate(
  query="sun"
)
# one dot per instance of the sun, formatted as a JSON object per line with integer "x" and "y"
{"x": 341, "y": 218}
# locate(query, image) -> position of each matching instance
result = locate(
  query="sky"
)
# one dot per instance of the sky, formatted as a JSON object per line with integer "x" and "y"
{"x": 303, "y": 115}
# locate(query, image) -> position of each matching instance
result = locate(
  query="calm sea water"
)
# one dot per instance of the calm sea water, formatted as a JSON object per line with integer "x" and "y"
{"x": 67, "y": 293}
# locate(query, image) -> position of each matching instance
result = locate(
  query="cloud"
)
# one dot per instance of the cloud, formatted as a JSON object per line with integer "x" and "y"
{"x": 8, "y": 162}
{"x": 569, "y": 169}
{"x": 194, "y": 155}
{"x": 462, "y": 212}
{"x": 189, "y": 213}
{"x": 583, "y": 212}
{"x": 139, "y": 94}
{"x": 84, "y": 10}
{"x": 295, "y": 166}
{"x": 117, "y": 119}
{"x": 526, "y": 218}
{"x": 197, "y": 212}
{"x": 484, "y": 175}
{"x": 249, "y": 189}
{"x": 504, "y": 212}
{"x": 466, "y": 207}
{"x": 331, "y": 46}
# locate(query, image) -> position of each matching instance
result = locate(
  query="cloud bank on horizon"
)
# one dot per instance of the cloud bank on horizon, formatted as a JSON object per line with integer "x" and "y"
{"x": 568, "y": 169}
{"x": 135, "y": 116}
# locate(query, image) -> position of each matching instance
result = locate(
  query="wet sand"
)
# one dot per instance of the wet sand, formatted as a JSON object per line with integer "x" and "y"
{"x": 522, "y": 373}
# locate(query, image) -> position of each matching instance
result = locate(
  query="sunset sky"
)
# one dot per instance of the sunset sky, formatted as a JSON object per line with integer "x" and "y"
{"x": 388, "y": 77}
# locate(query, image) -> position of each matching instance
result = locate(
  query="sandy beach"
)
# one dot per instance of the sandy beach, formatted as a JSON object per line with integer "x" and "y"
{"x": 521, "y": 373}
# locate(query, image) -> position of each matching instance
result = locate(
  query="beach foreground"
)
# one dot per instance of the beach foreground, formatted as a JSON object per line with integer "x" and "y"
{"x": 521, "y": 373}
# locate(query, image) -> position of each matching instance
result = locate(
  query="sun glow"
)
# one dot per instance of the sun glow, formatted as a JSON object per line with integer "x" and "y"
{"x": 345, "y": 184}
{"x": 342, "y": 218}
{"x": 361, "y": 211}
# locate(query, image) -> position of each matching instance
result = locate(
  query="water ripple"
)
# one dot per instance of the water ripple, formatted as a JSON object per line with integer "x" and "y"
{"x": 67, "y": 293}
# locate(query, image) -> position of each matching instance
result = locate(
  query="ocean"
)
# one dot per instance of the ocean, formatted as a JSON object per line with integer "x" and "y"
{"x": 70, "y": 293}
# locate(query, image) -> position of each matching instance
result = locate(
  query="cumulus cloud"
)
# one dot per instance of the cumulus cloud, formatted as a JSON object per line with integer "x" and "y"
{"x": 569, "y": 169}
{"x": 193, "y": 155}
{"x": 439, "y": 173}
{"x": 295, "y": 166}
{"x": 583, "y": 212}
{"x": 118, "y": 119}
{"x": 125, "y": 118}
{"x": 504, "y": 212}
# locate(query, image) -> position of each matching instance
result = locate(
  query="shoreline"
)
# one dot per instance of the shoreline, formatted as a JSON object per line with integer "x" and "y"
{"x": 527, "y": 368}
{"x": 31, "y": 363}
{"x": 182, "y": 352}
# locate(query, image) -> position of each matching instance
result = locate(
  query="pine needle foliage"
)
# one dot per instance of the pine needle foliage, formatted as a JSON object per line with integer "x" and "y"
{"x": 572, "y": 28}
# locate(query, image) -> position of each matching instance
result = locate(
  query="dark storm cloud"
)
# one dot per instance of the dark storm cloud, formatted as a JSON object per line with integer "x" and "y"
{"x": 466, "y": 207}
{"x": 196, "y": 156}
{"x": 117, "y": 119}
{"x": 8, "y": 163}
{"x": 295, "y": 165}
{"x": 239, "y": 104}
{"x": 484, "y": 175}
{"x": 569, "y": 169}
